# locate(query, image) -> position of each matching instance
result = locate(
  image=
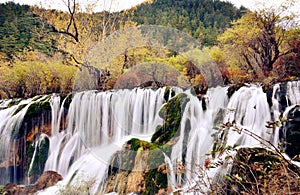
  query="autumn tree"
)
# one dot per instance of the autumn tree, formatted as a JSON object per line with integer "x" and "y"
{"x": 260, "y": 38}
{"x": 80, "y": 28}
{"x": 35, "y": 75}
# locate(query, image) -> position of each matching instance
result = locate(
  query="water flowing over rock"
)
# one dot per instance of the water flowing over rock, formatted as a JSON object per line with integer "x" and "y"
{"x": 22, "y": 122}
{"x": 140, "y": 140}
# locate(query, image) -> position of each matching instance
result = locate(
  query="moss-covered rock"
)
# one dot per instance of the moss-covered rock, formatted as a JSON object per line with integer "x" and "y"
{"x": 169, "y": 93}
{"x": 67, "y": 100}
{"x": 137, "y": 168}
{"x": 35, "y": 112}
{"x": 171, "y": 112}
{"x": 39, "y": 160}
{"x": 135, "y": 144}
{"x": 2, "y": 190}
{"x": 36, "y": 109}
{"x": 156, "y": 177}
{"x": 36, "y": 121}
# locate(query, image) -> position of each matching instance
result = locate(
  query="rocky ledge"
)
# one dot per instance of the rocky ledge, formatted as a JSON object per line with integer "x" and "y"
{"x": 47, "y": 179}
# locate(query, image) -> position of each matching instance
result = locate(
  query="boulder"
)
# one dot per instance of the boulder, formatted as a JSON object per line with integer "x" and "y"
{"x": 47, "y": 179}
{"x": 138, "y": 168}
{"x": 172, "y": 113}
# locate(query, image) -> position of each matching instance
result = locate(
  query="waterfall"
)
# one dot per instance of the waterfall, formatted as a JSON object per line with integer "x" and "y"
{"x": 56, "y": 112}
{"x": 11, "y": 118}
{"x": 248, "y": 108}
{"x": 293, "y": 93}
{"x": 36, "y": 145}
{"x": 198, "y": 141}
{"x": 98, "y": 124}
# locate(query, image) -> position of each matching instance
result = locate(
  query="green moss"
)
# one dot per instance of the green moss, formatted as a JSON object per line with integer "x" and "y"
{"x": 19, "y": 109}
{"x": 34, "y": 110}
{"x": 171, "y": 112}
{"x": 155, "y": 178}
{"x": 46, "y": 105}
{"x": 68, "y": 100}
{"x": 40, "y": 158}
{"x": 2, "y": 190}
{"x": 136, "y": 144}
{"x": 37, "y": 108}
{"x": 167, "y": 93}
{"x": 37, "y": 97}
{"x": 14, "y": 102}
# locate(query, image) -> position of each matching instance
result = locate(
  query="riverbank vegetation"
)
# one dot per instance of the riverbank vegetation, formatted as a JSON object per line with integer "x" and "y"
{"x": 42, "y": 50}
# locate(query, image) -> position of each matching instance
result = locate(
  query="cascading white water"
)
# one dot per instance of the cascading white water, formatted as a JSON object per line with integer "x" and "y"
{"x": 293, "y": 93}
{"x": 36, "y": 145}
{"x": 292, "y": 98}
{"x": 10, "y": 122}
{"x": 99, "y": 123}
{"x": 100, "y": 116}
{"x": 199, "y": 140}
{"x": 248, "y": 109}
{"x": 56, "y": 113}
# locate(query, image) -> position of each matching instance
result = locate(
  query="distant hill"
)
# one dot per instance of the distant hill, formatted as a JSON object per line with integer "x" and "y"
{"x": 18, "y": 30}
{"x": 203, "y": 19}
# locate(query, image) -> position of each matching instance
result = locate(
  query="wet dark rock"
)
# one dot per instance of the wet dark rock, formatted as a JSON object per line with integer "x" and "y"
{"x": 47, "y": 179}
{"x": 291, "y": 132}
{"x": 169, "y": 93}
{"x": 138, "y": 168}
{"x": 171, "y": 112}
{"x": 233, "y": 88}
{"x": 40, "y": 159}
{"x": 36, "y": 121}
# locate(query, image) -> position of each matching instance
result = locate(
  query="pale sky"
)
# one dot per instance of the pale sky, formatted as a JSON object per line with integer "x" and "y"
{"x": 114, "y": 5}
{"x": 126, "y": 4}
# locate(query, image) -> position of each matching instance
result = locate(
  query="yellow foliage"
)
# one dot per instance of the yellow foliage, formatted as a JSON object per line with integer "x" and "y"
{"x": 217, "y": 54}
{"x": 237, "y": 75}
{"x": 30, "y": 78}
